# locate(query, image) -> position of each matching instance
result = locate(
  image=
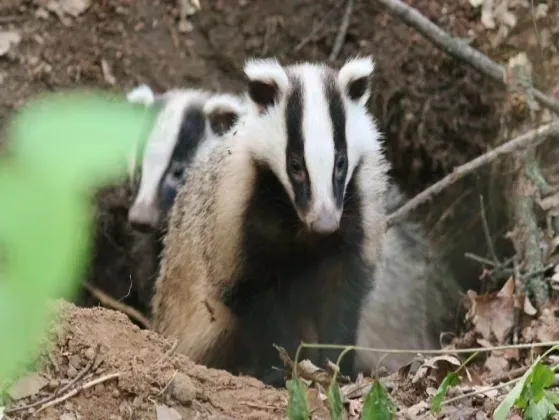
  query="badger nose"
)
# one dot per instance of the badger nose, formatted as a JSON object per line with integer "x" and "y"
{"x": 327, "y": 221}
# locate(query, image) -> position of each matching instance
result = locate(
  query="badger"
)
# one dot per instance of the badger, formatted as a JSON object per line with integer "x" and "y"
{"x": 181, "y": 132}
{"x": 276, "y": 237}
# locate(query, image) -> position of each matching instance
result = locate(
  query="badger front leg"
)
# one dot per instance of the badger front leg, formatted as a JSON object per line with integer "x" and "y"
{"x": 205, "y": 333}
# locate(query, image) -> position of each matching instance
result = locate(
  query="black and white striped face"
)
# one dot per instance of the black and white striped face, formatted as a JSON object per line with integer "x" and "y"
{"x": 310, "y": 125}
{"x": 187, "y": 125}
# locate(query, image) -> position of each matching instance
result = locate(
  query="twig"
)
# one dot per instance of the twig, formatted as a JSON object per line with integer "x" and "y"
{"x": 65, "y": 388}
{"x": 489, "y": 243}
{"x": 168, "y": 352}
{"x": 167, "y": 384}
{"x": 77, "y": 390}
{"x": 11, "y": 18}
{"x": 481, "y": 260}
{"x": 339, "y": 40}
{"x": 81, "y": 374}
{"x": 480, "y": 391}
{"x": 314, "y": 31}
{"x": 531, "y": 138}
{"x": 456, "y": 48}
{"x": 109, "y": 302}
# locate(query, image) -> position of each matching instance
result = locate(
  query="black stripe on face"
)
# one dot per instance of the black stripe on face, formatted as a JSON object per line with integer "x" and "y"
{"x": 191, "y": 134}
{"x": 338, "y": 120}
{"x": 295, "y": 159}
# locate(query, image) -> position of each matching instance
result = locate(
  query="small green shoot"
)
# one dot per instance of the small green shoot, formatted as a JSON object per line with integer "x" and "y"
{"x": 297, "y": 404}
{"x": 451, "y": 379}
{"x": 378, "y": 404}
{"x": 335, "y": 401}
{"x": 62, "y": 146}
{"x": 530, "y": 394}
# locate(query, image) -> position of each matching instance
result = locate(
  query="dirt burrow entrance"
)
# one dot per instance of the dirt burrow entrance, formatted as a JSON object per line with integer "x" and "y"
{"x": 145, "y": 376}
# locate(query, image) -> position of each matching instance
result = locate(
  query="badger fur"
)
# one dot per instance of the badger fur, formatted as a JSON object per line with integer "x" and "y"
{"x": 274, "y": 237}
{"x": 181, "y": 132}
{"x": 414, "y": 297}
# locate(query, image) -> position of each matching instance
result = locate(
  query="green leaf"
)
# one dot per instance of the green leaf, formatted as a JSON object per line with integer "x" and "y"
{"x": 450, "y": 380}
{"x": 378, "y": 404}
{"x": 541, "y": 410}
{"x": 335, "y": 401}
{"x": 552, "y": 397}
{"x": 79, "y": 138}
{"x": 505, "y": 406}
{"x": 297, "y": 403}
{"x": 60, "y": 147}
{"x": 541, "y": 378}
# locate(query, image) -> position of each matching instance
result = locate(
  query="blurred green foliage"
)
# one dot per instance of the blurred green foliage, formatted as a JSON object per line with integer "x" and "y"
{"x": 61, "y": 147}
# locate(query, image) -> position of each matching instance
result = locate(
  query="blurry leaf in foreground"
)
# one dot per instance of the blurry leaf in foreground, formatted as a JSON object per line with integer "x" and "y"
{"x": 335, "y": 401}
{"x": 297, "y": 404}
{"x": 378, "y": 404}
{"x": 79, "y": 138}
{"x": 61, "y": 145}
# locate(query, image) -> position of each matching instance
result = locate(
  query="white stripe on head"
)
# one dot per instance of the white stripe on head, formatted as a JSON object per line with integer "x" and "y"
{"x": 319, "y": 147}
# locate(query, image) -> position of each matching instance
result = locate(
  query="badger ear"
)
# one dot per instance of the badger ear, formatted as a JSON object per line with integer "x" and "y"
{"x": 142, "y": 94}
{"x": 354, "y": 78}
{"x": 266, "y": 80}
{"x": 222, "y": 112}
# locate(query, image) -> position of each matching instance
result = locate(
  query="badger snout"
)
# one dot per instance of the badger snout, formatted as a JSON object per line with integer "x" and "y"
{"x": 143, "y": 217}
{"x": 326, "y": 220}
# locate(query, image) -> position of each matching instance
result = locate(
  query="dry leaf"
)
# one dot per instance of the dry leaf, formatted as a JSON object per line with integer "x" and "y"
{"x": 355, "y": 407}
{"x": 67, "y": 416}
{"x": 528, "y": 308}
{"x": 8, "y": 39}
{"x": 353, "y": 391}
{"x": 492, "y": 315}
{"x": 418, "y": 409}
{"x": 543, "y": 329}
{"x": 163, "y": 412}
{"x": 27, "y": 386}
{"x": 459, "y": 412}
{"x": 496, "y": 364}
{"x": 316, "y": 404}
{"x": 307, "y": 370}
{"x": 436, "y": 368}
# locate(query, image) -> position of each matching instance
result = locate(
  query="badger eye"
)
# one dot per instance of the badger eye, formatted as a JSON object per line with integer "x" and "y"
{"x": 340, "y": 165}
{"x": 296, "y": 168}
{"x": 177, "y": 173}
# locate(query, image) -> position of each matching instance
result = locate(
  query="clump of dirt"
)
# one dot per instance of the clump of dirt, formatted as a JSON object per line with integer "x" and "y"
{"x": 143, "y": 376}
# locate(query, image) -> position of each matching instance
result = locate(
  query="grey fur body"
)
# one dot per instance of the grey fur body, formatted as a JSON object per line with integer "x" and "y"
{"x": 414, "y": 298}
